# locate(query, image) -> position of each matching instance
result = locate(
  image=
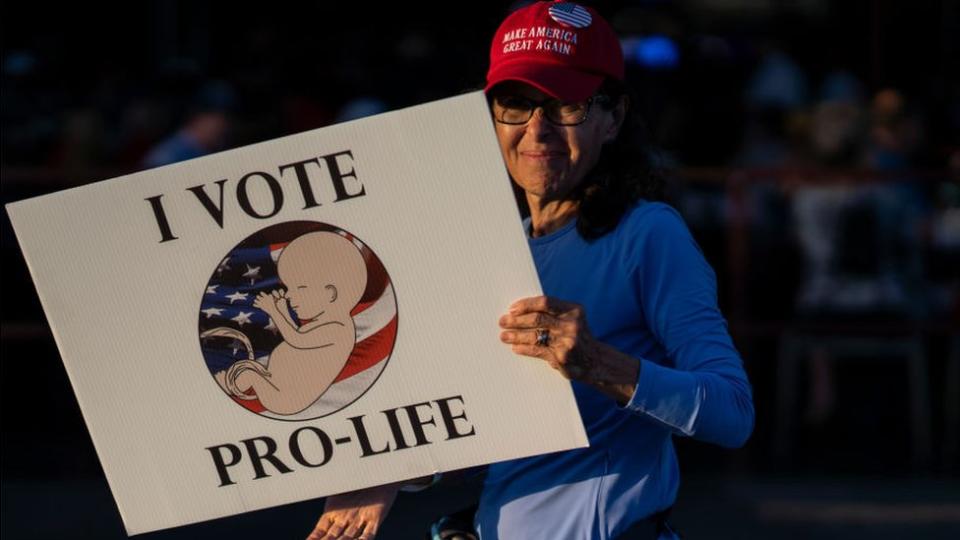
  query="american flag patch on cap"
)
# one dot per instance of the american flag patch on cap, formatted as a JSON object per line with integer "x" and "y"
{"x": 570, "y": 15}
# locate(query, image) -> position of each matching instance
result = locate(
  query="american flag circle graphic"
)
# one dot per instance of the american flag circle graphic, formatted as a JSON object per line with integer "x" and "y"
{"x": 569, "y": 14}
{"x": 236, "y": 336}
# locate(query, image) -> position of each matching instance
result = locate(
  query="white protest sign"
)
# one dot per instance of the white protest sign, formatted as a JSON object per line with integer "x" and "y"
{"x": 301, "y": 317}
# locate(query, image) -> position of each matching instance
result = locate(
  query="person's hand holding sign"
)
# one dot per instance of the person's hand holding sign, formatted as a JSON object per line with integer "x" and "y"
{"x": 356, "y": 515}
{"x": 556, "y": 332}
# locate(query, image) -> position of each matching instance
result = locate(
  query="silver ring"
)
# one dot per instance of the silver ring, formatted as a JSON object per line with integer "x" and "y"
{"x": 543, "y": 337}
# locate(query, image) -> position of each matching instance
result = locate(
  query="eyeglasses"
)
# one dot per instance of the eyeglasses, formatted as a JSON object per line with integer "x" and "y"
{"x": 516, "y": 110}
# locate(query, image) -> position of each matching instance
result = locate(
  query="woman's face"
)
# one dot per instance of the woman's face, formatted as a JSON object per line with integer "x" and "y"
{"x": 546, "y": 160}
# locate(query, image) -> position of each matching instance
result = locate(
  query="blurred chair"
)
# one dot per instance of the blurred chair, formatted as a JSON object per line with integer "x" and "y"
{"x": 951, "y": 417}
{"x": 862, "y": 298}
{"x": 854, "y": 342}
{"x": 944, "y": 257}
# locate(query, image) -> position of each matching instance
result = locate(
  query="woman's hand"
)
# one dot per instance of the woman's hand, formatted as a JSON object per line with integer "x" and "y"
{"x": 552, "y": 330}
{"x": 557, "y": 332}
{"x": 355, "y": 515}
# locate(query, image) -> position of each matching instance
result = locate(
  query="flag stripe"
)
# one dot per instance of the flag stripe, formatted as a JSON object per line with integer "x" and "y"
{"x": 370, "y": 351}
{"x": 572, "y": 20}
{"x": 571, "y": 14}
{"x": 376, "y": 316}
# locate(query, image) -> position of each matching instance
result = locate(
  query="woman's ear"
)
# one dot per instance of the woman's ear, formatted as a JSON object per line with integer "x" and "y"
{"x": 619, "y": 115}
{"x": 332, "y": 293}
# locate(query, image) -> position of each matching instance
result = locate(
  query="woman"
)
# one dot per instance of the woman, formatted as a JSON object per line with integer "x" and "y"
{"x": 630, "y": 313}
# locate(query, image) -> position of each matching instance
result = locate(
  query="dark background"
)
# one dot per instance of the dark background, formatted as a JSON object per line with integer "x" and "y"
{"x": 88, "y": 89}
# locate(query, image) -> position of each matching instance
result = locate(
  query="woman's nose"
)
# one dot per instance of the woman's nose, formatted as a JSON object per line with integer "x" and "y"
{"x": 538, "y": 125}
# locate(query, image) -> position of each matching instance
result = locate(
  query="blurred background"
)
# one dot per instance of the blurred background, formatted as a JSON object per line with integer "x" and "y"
{"x": 813, "y": 147}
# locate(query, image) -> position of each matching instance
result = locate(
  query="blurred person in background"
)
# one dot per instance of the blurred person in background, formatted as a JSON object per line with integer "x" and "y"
{"x": 859, "y": 235}
{"x": 630, "y": 315}
{"x": 836, "y": 138}
{"x": 894, "y": 133}
{"x": 360, "y": 107}
{"x": 205, "y": 130}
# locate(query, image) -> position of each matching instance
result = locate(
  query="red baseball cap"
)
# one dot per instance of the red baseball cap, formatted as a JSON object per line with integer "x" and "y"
{"x": 561, "y": 48}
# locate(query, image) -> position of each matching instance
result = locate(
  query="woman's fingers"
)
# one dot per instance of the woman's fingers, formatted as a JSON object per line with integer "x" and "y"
{"x": 529, "y": 350}
{"x": 355, "y": 514}
{"x": 326, "y": 528}
{"x": 519, "y": 337}
{"x": 536, "y": 319}
{"x": 527, "y": 329}
{"x": 545, "y": 304}
{"x": 320, "y": 530}
{"x": 559, "y": 344}
{"x": 369, "y": 533}
{"x": 336, "y": 530}
{"x": 354, "y": 530}
{"x": 553, "y": 330}
{"x": 343, "y": 529}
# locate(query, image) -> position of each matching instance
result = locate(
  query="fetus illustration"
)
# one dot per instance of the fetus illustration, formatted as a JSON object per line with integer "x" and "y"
{"x": 323, "y": 276}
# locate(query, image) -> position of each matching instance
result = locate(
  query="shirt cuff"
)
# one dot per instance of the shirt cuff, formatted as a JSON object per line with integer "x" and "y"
{"x": 668, "y": 396}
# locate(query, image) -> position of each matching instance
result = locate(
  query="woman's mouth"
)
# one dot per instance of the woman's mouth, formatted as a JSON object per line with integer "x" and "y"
{"x": 542, "y": 155}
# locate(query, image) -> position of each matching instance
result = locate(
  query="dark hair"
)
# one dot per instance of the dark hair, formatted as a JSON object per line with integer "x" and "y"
{"x": 624, "y": 174}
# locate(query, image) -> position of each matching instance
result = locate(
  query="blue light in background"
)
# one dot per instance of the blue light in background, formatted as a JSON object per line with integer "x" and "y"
{"x": 653, "y": 52}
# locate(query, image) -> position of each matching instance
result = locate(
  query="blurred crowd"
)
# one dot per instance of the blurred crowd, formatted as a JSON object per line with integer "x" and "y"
{"x": 853, "y": 163}
{"x": 856, "y": 180}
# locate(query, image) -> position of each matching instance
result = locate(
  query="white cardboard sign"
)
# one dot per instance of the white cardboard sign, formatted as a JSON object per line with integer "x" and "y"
{"x": 297, "y": 318}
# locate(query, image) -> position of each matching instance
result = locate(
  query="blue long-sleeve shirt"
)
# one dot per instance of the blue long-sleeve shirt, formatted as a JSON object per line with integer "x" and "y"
{"x": 647, "y": 291}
